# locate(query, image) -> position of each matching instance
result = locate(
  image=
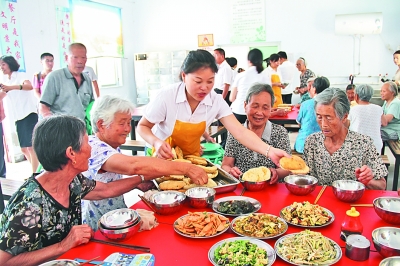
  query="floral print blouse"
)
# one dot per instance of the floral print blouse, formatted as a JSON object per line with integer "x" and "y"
{"x": 356, "y": 151}
{"x": 245, "y": 159}
{"x": 33, "y": 219}
{"x": 92, "y": 210}
{"x": 304, "y": 78}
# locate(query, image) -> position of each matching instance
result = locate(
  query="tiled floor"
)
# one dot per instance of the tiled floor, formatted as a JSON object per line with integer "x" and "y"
{"x": 21, "y": 171}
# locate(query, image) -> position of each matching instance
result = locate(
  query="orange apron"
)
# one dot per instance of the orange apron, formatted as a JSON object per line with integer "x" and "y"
{"x": 187, "y": 136}
{"x": 276, "y": 90}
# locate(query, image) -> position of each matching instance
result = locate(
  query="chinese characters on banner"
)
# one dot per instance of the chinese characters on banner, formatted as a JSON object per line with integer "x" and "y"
{"x": 63, "y": 33}
{"x": 10, "y": 33}
{"x": 248, "y": 21}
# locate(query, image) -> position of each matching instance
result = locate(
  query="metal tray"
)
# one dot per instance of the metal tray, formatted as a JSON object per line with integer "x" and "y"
{"x": 226, "y": 182}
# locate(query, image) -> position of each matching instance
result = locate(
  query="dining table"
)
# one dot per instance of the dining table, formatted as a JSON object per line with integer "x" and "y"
{"x": 171, "y": 248}
{"x": 288, "y": 119}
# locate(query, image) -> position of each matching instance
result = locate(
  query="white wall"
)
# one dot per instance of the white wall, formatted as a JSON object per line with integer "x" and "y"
{"x": 303, "y": 28}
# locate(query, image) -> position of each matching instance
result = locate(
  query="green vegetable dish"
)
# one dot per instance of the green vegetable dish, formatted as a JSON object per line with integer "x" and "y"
{"x": 236, "y": 207}
{"x": 240, "y": 253}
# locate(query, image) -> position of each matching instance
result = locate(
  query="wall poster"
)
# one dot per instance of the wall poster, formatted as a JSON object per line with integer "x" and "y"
{"x": 10, "y": 32}
{"x": 247, "y": 21}
{"x": 63, "y": 33}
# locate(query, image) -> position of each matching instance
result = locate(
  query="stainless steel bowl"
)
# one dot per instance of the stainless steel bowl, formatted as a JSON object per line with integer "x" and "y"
{"x": 387, "y": 241}
{"x": 200, "y": 197}
{"x": 119, "y": 218}
{"x": 392, "y": 261}
{"x": 300, "y": 185}
{"x": 120, "y": 234}
{"x": 167, "y": 202}
{"x": 254, "y": 186}
{"x": 348, "y": 190}
{"x": 388, "y": 208}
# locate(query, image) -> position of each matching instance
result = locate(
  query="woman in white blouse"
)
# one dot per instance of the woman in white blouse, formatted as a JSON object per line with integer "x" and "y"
{"x": 244, "y": 81}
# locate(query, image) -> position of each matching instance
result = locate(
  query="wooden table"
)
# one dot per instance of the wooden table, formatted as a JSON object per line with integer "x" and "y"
{"x": 171, "y": 248}
{"x": 290, "y": 118}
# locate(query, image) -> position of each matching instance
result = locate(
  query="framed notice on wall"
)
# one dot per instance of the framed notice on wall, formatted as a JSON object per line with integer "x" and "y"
{"x": 205, "y": 40}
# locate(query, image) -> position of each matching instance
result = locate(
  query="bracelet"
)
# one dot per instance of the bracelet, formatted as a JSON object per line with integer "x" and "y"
{"x": 266, "y": 153}
{"x": 142, "y": 178}
{"x": 20, "y": 87}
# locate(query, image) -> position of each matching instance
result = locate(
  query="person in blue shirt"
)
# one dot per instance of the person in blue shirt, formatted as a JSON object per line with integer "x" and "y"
{"x": 306, "y": 117}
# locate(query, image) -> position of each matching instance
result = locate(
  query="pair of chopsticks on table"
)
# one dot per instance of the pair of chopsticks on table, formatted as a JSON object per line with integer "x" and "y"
{"x": 139, "y": 248}
{"x": 320, "y": 194}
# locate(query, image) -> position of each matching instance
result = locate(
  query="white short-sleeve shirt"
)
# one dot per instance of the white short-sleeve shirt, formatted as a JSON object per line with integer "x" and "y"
{"x": 366, "y": 119}
{"x": 243, "y": 82}
{"x": 171, "y": 104}
{"x": 88, "y": 70}
{"x": 19, "y": 103}
{"x": 223, "y": 76}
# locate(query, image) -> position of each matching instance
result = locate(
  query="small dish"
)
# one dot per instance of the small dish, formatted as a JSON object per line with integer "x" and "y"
{"x": 327, "y": 213}
{"x": 256, "y": 204}
{"x": 62, "y": 262}
{"x": 178, "y": 221}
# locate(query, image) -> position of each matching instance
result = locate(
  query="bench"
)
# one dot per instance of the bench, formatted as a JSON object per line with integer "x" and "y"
{"x": 133, "y": 145}
{"x": 394, "y": 146}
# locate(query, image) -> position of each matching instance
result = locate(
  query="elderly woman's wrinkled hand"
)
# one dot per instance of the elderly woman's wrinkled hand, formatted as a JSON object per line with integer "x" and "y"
{"x": 274, "y": 176}
{"x": 235, "y": 172}
{"x": 197, "y": 175}
{"x": 163, "y": 150}
{"x": 79, "y": 234}
{"x": 364, "y": 174}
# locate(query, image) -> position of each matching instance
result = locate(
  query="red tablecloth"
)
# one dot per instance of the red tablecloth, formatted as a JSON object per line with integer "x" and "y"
{"x": 290, "y": 118}
{"x": 171, "y": 248}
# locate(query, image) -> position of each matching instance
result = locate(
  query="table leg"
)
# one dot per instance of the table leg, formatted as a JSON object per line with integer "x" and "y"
{"x": 133, "y": 133}
{"x": 396, "y": 173}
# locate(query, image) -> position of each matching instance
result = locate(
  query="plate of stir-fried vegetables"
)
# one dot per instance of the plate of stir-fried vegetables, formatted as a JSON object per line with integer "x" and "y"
{"x": 308, "y": 248}
{"x": 241, "y": 251}
{"x": 307, "y": 215}
{"x": 259, "y": 225}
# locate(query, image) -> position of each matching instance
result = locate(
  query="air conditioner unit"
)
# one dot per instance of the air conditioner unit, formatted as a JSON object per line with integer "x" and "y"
{"x": 366, "y": 23}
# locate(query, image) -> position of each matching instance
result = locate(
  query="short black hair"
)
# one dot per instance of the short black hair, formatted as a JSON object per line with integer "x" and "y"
{"x": 232, "y": 61}
{"x": 53, "y": 135}
{"x": 11, "y": 62}
{"x": 196, "y": 60}
{"x": 320, "y": 84}
{"x": 350, "y": 87}
{"x": 221, "y": 51}
{"x": 282, "y": 54}
{"x": 42, "y": 56}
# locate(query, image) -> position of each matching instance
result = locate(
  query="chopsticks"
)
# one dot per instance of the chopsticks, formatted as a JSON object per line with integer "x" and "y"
{"x": 362, "y": 205}
{"x": 243, "y": 190}
{"x": 87, "y": 261}
{"x": 140, "y": 248}
{"x": 320, "y": 194}
{"x": 147, "y": 203}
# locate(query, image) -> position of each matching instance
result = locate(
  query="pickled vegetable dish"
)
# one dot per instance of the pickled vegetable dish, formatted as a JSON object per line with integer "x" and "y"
{"x": 236, "y": 207}
{"x": 240, "y": 253}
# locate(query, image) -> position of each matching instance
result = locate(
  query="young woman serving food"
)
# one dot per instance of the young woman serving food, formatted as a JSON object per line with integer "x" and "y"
{"x": 180, "y": 114}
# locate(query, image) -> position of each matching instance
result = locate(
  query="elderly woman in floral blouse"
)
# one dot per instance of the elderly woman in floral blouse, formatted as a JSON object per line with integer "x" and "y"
{"x": 43, "y": 218}
{"x": 238, "y": 159}
{"x": 111, "y": 122}
{"x": 338, "y": 153}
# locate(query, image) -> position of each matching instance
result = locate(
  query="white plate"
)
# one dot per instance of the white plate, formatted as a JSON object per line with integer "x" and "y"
{"x": 336, "y": 247}
{"x": 270, "y": 251}
{"x": 60, "y": 263}
{"x": 310, "y": 226}
{"x": 186, "y": 235}
{"x": 256, "y": 204}
{"x": 233, "y": 225}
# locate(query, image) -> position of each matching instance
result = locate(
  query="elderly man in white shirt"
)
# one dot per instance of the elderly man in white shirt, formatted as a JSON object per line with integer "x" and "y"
{"x": 290, "y": 76}
{"x": 223, "y": 78}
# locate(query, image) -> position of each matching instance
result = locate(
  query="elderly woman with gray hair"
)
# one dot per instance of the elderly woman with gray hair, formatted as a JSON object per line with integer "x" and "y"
{"x": 337, "y": 153}
{"x": 390, "y": 124}
{"x": 111, "y": 122}
{"x": 365, "y": 117}
{"x": 238, "y": 159}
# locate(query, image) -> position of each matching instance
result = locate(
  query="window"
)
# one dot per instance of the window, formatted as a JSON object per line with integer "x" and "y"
{"x": 108, "y": 71}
